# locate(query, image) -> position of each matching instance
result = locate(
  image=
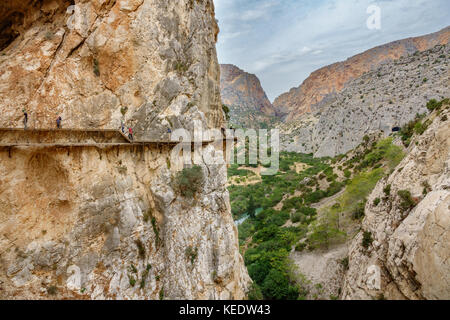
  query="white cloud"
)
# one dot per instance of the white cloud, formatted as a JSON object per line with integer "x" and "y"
{"x": 284, "y": 41}
{"x": 305, "y": 50}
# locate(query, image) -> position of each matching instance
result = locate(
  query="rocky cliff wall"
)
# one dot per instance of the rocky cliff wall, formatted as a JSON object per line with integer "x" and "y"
{"x": 407, "y": 247}
{"x": 378, "y": 101}
{"x": 90, "y": 223}
{"x": 94, "y": 61}
{"x": 244, "y": 95}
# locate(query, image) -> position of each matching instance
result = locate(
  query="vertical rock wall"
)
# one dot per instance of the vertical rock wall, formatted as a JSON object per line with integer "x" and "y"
{"x": 152, "y": 63}
{"x": 89, "y": 223}
{"x": 409, "y": 255}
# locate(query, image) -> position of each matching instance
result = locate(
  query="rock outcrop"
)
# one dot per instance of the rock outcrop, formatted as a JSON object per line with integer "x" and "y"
{"x": 93, "y": 223}
{"x": 322, "y": 270}
{"x": 377, "y": 102}
{"x": 405, "y": 254}
{"x": 243, "y": 94}
{"x": 332, "y": 79}
{"x": 93, "y": 61}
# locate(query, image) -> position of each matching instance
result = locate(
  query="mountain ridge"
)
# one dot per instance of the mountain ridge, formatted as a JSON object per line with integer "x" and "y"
{"x": 378, "y": 101}
{"x": 331, "y": 79}
{"x": 245, "y": 96}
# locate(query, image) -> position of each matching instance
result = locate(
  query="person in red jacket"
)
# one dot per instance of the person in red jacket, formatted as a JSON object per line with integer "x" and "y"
{"x": 130, "y": 133}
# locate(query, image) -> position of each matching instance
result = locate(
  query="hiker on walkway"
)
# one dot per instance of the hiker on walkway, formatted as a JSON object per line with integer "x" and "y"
{"x": 130, "y": 133}
{"x": 169, "y": 130}
{"x": 58, "y": 122}
{"x": 25, "y": 119}
{"x": 122, "y": 125}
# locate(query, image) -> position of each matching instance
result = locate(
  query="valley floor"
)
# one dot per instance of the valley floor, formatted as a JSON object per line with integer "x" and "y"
{"x": 312, "y": 209}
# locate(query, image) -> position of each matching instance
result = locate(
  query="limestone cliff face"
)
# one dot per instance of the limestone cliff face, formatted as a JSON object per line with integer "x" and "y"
{"x": 243, "y": 93}
{"x": 332, "y": 79}
{"x": 155, "y": 61}
{"x": 381, "y": 99}
{"x": 411, "y": 246}
{"x": 91, "y": 223}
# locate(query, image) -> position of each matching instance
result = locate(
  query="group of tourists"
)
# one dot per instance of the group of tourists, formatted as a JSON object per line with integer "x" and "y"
{"x": 59, "y": 125}
{"x": 130, "y": 130}
{"x": 25, "y": 120}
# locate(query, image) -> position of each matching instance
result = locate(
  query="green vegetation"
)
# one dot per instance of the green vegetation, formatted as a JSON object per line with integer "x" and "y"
{"x": 418, "y": 127}
{"x": 433, "y": 104}
{"x": 359, "y": 211}
{"x": 234, "y": 170}
{"x": 426, "y": 188}
{"x": 144, "y": 276}
{"x": 142, "y": 284}
{"x": 347, "y": 173}
{"x": 189, "y": 181}
{"x": 359, "y": 188}
{"x": 270, "y": 191}
{"x": 141, "y": 248}
{"x": 367, "y": 239}
{"x": 181, "y": 67}
{"x": 52, "y": 290}
{"x": 407, "y": 202}
{"x": 301, "y": 246}
{"x": 146, "y": 216}
{"x": 277, "y": 287}
{"x": 384, "y": 151}
{"x": 156, "y": 231}
{"x": 387, "y": 190}
{"x": 410, "y": 128}
{"x": 376, "y": 202}
{"x": 191, "y": 254}
{"x": 132, "y": 269}
{"x": 251, "y": 209}
{"x": 96, "y": 68}
{"x": 266, "y": 239}
{"x": 226, "y": 110}
{"x": 325, "y": 231}
{"x": 254, "y": 292}
{"x": 267, "y": 256}
{"x": 345, "y": 263}
{"x": 269, "y": 242}
{"x": 131, "y": 280}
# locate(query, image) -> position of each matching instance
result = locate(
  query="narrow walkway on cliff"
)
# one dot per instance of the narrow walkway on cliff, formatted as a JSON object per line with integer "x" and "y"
{"x": 73, "y": 137}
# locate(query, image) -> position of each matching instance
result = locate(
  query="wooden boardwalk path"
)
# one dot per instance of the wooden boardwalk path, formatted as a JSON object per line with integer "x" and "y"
{"x": 74, "y": 137}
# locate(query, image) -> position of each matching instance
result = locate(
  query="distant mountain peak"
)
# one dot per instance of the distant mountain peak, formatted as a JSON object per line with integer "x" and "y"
{"x": 331, "y": 79}
{"x": 243, "y": 93}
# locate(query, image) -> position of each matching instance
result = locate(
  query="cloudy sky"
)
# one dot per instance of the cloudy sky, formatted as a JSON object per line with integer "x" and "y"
{"x": 283, "y": 41}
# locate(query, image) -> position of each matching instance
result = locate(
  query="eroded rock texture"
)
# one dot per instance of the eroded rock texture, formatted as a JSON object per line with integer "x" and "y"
{"x": 409, "y": 255}
{"x": 243, "y": 94}
{"x": 384, "y": 98}
{"x": 155, "y": 61}
{"x": 92, "y": 223}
